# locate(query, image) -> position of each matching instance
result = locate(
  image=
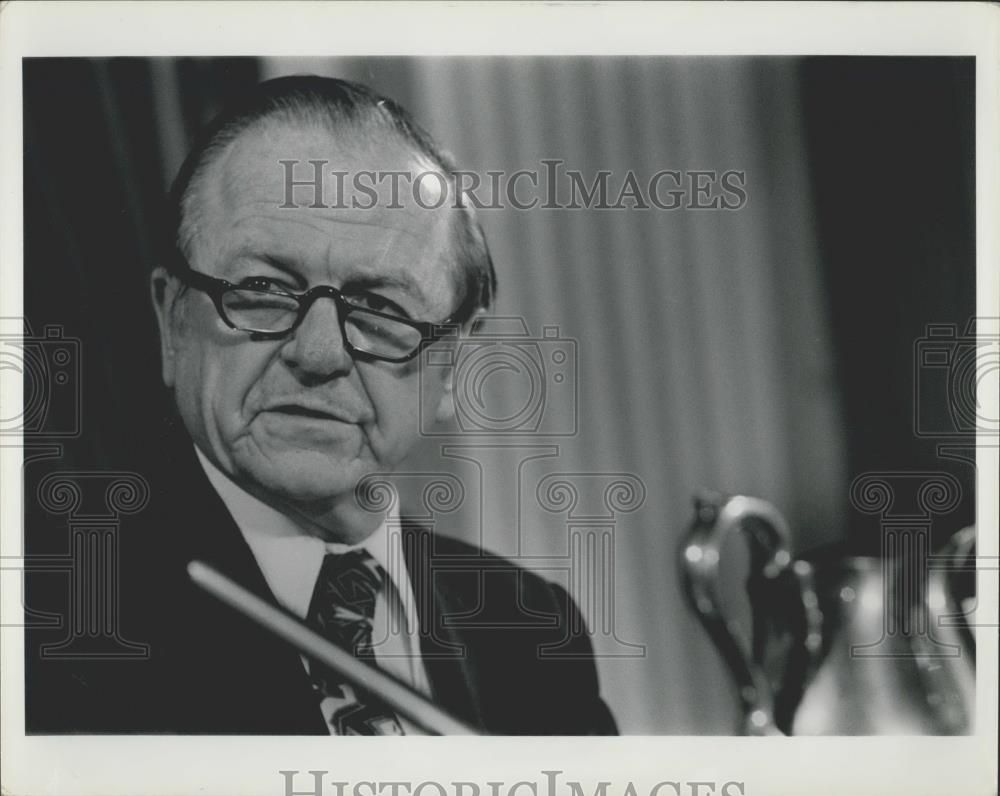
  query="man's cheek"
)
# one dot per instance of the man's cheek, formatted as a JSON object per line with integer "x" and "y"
{"x": 187, "y": 371}
{"x": 225, "y": 383}
{"x": 396, "y": 426}
{"x": 435, "y": 399}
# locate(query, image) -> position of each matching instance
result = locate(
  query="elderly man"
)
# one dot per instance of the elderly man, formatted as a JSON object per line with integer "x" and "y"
{"x": 292, "y": 314}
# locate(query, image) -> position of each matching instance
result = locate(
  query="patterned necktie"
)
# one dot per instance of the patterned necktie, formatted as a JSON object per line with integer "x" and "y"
{"x": 343, "y": 610}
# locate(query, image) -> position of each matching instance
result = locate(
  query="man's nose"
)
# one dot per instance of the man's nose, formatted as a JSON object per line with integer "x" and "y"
{"x": 315, "y": 348}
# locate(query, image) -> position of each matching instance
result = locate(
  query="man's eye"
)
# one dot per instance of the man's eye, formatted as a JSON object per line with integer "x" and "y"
{"x": 264, "y": 283}
{"x": 373, "y": 301}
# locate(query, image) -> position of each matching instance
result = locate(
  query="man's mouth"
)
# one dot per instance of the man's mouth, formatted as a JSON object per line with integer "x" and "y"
{"x": 298, "y": 410}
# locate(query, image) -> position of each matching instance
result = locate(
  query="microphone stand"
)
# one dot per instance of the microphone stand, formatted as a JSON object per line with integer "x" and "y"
{"x": 396, "y": 694}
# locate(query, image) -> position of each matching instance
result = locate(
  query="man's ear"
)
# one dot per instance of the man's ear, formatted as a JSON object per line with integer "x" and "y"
{"x": 446, "y": 407}
{"x": 164, "y": 289}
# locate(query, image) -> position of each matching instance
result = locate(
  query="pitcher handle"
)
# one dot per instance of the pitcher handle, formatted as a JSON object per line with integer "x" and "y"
{"x": 716, "y": 518}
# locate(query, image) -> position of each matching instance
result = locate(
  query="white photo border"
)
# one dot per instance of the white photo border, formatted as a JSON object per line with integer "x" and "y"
{"x": 250, "y": 765}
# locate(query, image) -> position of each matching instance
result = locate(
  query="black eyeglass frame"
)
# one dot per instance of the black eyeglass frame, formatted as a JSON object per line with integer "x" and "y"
{"x": 214, "y": 287}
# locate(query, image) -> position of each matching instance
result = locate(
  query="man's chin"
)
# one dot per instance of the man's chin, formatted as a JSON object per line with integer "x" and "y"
{"x": 305, "y": 478}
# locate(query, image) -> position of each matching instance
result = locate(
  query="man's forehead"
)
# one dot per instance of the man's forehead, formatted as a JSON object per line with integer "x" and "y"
{"x": 363, "y": 179}
{"x": 243, "y": 190}
{"x": 267, "y": 156}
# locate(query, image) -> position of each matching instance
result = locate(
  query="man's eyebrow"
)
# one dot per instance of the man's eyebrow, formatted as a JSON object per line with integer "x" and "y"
{"x": 356, "y": 281}
{"x": 402, "y": 280}
{"x": 254, "y": 253}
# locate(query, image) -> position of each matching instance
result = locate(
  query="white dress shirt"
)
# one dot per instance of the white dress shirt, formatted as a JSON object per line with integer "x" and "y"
{"x": 290, "y": 560}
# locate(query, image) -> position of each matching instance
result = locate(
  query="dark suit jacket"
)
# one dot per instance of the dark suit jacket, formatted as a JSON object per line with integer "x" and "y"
{"x": 504, "y": 650}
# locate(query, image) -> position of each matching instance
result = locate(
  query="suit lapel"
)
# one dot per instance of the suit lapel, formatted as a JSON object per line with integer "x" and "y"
{"x": 447, "y": 657}
{"x": 274, "y": 691}
{"x": 210, "y": 532}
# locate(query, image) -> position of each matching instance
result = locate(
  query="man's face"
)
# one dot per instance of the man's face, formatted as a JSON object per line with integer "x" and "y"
{"x": 297, "y": 421}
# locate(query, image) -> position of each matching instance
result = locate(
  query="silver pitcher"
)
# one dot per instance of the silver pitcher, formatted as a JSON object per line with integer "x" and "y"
{"x": 836, "y": 645}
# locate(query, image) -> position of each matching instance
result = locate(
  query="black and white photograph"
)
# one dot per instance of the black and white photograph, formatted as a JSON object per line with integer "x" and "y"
{"x": 645, "y": 395}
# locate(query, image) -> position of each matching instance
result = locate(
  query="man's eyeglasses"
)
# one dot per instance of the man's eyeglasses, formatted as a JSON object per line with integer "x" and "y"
{"x": 271, "y": 314}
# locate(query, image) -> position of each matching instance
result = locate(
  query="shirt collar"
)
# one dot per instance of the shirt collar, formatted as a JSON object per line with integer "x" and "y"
{"x": 290, "y": 558}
